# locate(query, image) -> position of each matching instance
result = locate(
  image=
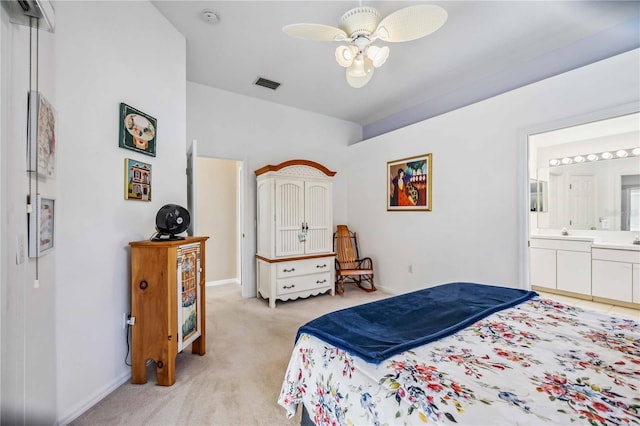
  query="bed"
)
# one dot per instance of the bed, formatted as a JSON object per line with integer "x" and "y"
{"x": 518, "y": 359}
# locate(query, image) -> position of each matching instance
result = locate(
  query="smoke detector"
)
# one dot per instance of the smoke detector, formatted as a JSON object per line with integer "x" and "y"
{"x": 210, "y": 16}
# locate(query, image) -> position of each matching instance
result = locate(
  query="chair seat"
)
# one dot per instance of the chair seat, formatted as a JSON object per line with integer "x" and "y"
{"x": 355, "y": 272}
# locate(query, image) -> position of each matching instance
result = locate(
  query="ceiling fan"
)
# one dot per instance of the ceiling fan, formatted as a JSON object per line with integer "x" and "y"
{"x": 358, "y": 28}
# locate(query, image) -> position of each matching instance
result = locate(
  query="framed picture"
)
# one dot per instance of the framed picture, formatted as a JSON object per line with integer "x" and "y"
{"x": 41, "y": 226}
{"x": 137, "y": 180}
{"x": 409, "y": 184}
{"x": 41, "y": 151}
{"x": 137, "y": 130}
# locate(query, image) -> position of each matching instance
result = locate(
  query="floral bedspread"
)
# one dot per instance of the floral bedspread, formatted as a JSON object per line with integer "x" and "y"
{"x": 539, "y": 362}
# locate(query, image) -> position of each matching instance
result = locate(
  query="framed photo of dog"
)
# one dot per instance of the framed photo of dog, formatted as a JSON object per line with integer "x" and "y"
{"x": 409, "y": 184}
{"x": 138, "y": 130}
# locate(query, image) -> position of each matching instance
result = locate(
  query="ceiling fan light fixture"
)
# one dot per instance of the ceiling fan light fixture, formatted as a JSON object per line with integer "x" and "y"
{"x": 344, "y": 56}
{"x": 358, "y": 81}
{"x": 357, "y": 68}
{"x": 378, "y": 55}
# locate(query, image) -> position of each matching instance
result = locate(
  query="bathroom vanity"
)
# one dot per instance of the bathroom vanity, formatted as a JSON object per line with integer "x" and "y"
{"x": 586, "y": 268}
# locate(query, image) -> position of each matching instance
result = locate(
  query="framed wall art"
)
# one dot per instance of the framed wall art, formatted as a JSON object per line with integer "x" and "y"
{"x": 137, "y": 180}
{"x": 42, "y": 136}
{"x": 41, "y": 226}
{"x": 409, "y": 184}
{"x": 138, "y": 130}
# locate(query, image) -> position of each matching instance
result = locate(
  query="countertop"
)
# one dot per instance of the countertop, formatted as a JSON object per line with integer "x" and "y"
{"x": 595, "y": 242}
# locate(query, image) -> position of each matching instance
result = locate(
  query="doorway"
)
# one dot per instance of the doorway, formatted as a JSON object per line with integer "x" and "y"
{"x": 218, "y": 206}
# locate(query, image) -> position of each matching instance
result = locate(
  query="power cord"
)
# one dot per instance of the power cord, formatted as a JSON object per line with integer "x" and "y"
{"x": 126, "y": 357}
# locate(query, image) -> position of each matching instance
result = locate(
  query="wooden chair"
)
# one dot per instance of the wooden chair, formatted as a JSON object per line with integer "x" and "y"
{"x": 349, "y": 266}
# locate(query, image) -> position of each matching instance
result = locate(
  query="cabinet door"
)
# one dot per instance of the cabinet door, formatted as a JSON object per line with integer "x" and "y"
{"x": 574, "y": 271}
{"x": 612, "y": 280}
{"x": 289, "y": 212}
{"x": 542, "y": 267}
{"x": 318, "y": 217}
{"x": 189, "y": 315}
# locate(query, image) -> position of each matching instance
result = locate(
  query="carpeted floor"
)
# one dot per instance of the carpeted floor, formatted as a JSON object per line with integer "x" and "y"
{"x": 238, "y": 381}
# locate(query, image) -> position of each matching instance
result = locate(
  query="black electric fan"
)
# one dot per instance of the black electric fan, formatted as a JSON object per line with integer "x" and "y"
{"x": 171, "y": 220}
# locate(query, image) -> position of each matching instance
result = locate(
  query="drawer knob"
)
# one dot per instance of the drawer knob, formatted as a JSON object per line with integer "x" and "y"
{"x": 287, "y": 287}
{"x": 288, "y": 270}
{"x": 321, "y": 282}
{"x": 143, "y": 285}
{"x": 321, "y": 266}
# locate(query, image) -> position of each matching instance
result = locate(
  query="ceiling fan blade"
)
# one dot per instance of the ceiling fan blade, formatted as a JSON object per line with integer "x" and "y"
{"x": 411, "y": 23}
{"x": 316, "y": 32}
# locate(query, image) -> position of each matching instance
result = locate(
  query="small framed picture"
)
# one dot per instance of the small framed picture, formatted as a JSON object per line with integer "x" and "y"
{"x": 137, "y": 180}
{"x": 138, "y": 130}
{"x": 409, "y": 184}
{"x": 41, "y": 226}
{"x": 42, "y": 136}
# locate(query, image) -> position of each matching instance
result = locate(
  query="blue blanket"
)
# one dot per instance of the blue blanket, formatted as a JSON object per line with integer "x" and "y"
{"x": 377, "y": 330}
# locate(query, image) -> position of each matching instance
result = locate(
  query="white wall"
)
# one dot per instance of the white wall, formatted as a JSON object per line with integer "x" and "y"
{"x": 477, "y": 230}
{"x": 28, "y": 313}
{"x": 256, "y": 132}
{"x": 107, "y": 53}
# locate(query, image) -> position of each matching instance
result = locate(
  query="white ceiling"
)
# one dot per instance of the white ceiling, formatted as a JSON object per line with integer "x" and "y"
{"x": 485, "y": 48}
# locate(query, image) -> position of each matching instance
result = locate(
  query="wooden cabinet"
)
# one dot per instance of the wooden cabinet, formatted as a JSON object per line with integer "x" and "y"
{"x": 167, "y": 303}
{"x": 616, "y": 274}
{"x": 294, "y": 230}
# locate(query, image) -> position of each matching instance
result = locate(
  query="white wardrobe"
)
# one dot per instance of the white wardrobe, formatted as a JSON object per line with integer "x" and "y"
{"x": 295, "y": 255}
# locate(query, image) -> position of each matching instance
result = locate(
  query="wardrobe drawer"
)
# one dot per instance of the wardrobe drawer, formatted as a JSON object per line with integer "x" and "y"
{"x": 302, "y": 283}
{"x": 295, "y": 268}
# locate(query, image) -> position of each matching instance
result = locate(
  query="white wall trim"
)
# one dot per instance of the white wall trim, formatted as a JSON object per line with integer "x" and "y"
{"x": 222, "y": 282}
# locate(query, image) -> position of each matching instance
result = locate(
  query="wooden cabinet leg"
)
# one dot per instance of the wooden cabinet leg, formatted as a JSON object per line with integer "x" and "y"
{"x": 198, "y": 347}
{"x": 166, "y": 372}
{"x": 138, "y": 371}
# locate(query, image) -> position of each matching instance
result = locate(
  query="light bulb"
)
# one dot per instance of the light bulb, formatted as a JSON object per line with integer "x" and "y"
{"x": 636, "y": 151}
{"x": 357, "y": 69}
{"x": 567, "y": 160}
{"x": 592, "y": 157}
{"x": 344, "y": 56}
{"x": 606, "y": 155}
{"x": 554, "y": 162}
{"x": 621, "y": 153}
{"x": 578, "y": 158}
{"x": 378, "y": 55}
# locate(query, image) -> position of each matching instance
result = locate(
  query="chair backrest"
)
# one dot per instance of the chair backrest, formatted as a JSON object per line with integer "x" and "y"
{"x": 346, "y": 247}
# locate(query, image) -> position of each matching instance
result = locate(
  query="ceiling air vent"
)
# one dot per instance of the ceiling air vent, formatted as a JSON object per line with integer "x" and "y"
{"x": 273, "y": 85}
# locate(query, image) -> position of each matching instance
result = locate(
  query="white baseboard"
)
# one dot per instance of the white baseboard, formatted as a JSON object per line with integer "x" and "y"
{"x": 222, "y": 282}
{"x": 93, "y": 400}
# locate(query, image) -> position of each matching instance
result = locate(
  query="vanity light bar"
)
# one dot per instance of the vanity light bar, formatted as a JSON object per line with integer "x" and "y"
{"x": 606, "y": 155}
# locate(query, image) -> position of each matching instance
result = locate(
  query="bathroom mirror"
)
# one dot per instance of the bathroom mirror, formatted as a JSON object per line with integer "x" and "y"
{"x": 587, "y": 176}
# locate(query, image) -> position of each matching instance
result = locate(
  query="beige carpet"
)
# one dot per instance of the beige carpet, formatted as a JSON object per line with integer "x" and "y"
{"x": 238, "y": 381}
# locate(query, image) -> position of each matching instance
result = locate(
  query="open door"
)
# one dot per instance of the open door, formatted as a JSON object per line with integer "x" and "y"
{"x": 192, "y": 158}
